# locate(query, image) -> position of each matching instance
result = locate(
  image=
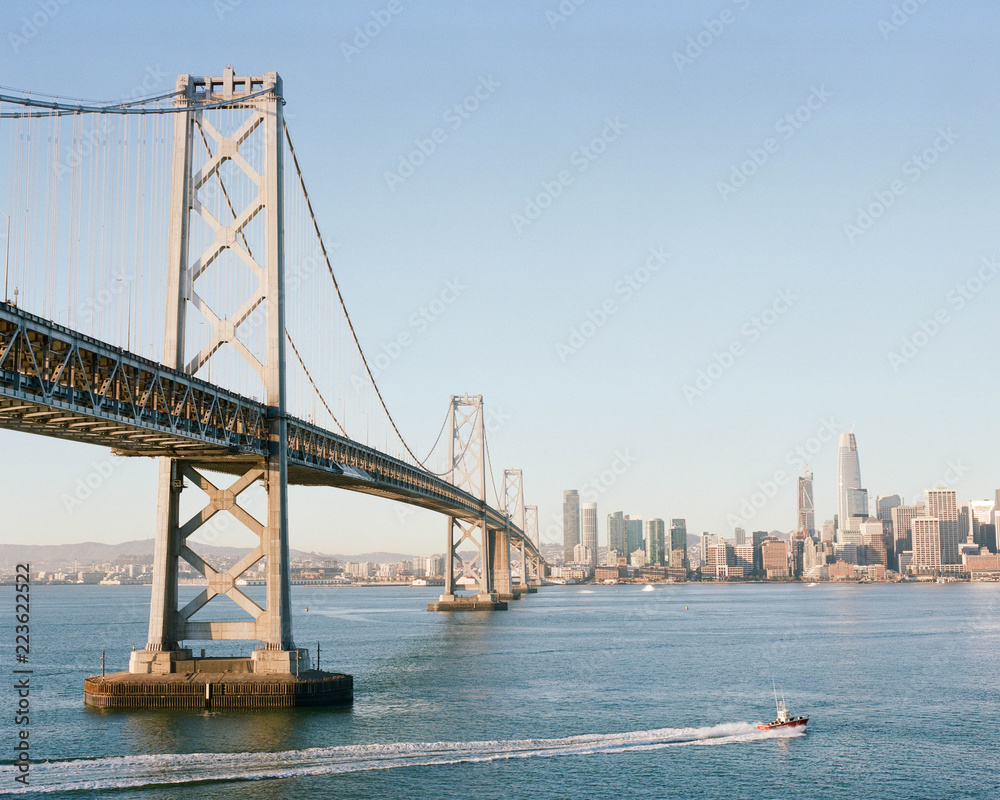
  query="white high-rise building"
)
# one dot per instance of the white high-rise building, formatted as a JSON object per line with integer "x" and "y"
{"x": 848, "y": 475}
{"x": 926, "y": 543}
{"x": 982, "y": 514}
{"x": 941, "y": 504}
{"x": 588, "y": 526}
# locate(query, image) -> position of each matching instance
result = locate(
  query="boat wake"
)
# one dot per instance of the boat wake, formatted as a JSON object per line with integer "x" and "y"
{"x": 122, "y": 772}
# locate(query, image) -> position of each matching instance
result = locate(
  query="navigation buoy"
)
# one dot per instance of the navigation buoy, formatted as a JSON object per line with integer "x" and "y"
{"x": 685, "y": 608}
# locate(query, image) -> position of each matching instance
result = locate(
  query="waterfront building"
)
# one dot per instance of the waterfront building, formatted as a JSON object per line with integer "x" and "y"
{"x": 655, "y": 543}
{"x": 848, "y": 476}
{"x": 774, "y": 558}
{"x": 588, "y": 528}
{"x": 743, "y": 555}
{"x": 637, "y": 558}
{"x": 807, "y": 509}
{"x": 926, "y": 544}
{"x": 616, "y": 531}
{"x": 582, "y": 555}
{"x": 571, "y": 523}
{"x": 941, "y": 504}
{"x": 633, "y": 534}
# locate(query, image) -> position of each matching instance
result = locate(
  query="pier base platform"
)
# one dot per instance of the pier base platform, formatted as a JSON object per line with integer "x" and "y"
{"x": 218, "y": 690}
{"x": 522, "y": 589}
{"x": 474, "y": 603}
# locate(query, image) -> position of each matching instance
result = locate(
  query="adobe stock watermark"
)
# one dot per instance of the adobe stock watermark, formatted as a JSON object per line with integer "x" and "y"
{"x": 797, "y": 457}
{"x": 454, "y": 117}
{"x": 954, "y": 471}
{"x": 580, "y": 161}
{"x": 956, "y": 300}
{"x": 786, "y": 126}
{"x": 913, "y": 169}
{"x": 750, "y": 333}
{"x": 367, "y": 33}
{"x": 608, "y": 477}
{"x": 711, "y": 32}
{"x": 418, "y": 323}
{"x": 34, "y": 23}
{"x": 89, "y": 484}
{"x": 901, "y": 14}
{"x": 624, "y": 289}
{"x": 560, "y": 13}
{"x": 223, "y": 8}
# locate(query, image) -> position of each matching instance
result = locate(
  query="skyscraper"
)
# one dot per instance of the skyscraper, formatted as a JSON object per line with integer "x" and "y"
{"x": 655, "y": 542}
{"x": 941, "y": 504}
{"x": 927, "y": 543}
{"x": 848, "y": 476}
{"x": 678, "y": 535}
{"x": 588, "y": 525}
{"x": 807, "y": 509}
{"x": 739, "y": 536}
{"x": 633, "y": 535}
{"x": 885, "y": 503}
{"x": 982, "y": 514}
{"x": 616, "y": 532}
{"x": 902, "y": 530}
{"x": 571, "y": 523}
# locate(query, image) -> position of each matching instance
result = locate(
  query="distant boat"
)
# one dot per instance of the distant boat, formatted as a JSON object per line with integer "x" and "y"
{"x": 811, "y": 584}
{"x": 648, "y": 588}
{"x": 783, "y": 720}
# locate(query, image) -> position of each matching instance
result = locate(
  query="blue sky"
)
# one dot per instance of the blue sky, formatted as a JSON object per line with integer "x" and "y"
{"x": 827, "y": 111}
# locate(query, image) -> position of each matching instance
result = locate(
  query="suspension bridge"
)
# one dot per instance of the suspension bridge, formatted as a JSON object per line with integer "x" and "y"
{"x": 168, "y": 294}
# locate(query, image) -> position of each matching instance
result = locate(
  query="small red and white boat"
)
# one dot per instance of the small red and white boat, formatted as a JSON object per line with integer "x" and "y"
{"x": 783, "y": 719}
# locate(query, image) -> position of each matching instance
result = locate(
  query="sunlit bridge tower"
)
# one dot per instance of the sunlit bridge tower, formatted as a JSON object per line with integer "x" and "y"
{"x": 250, "y": 156}
{"x": 488, "y": 570}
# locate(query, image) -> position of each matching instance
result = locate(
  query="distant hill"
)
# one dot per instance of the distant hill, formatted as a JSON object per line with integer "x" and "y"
{"x": 141, "y": 550}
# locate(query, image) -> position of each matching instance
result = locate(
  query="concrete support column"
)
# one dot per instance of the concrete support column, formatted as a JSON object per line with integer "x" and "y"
{"x": 499, "y": 545}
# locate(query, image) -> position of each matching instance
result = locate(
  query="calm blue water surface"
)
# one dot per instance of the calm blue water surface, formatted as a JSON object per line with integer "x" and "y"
{"x": 651, "y": 694}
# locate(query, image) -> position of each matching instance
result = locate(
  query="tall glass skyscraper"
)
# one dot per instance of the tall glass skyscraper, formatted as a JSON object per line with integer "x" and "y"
{"x": 571, "y": 523}
{"x": 679, "y": 535}
{"x": 633, "y": 535}
{"x": 848, "y": 476}
{"x": 655, "y": 544}
{"x": 588, "y": 525}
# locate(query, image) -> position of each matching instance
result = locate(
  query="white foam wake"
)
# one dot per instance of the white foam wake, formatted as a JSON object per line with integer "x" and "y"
{"x": 95, "y": 774}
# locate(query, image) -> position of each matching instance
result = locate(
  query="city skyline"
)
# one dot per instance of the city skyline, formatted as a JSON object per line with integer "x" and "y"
{"x": 737, "y": 242}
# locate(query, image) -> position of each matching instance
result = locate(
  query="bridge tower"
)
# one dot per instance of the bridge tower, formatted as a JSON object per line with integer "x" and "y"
{"x": 467, "y": 463}
{"x": 513, "y": 500}
{"x": 534, "y": 569}
{"x": 247, "y": 151}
